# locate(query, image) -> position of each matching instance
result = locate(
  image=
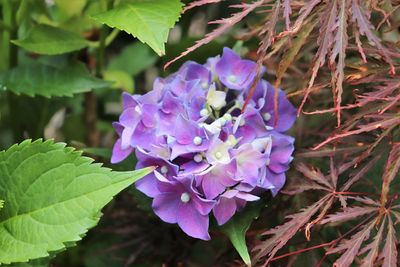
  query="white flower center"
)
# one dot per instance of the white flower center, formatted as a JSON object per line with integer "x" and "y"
{"x": 267, "y": 116}
{"x": 227, "y": 117}
{"x": 164, "y": 170}
{"x": 218, "y": 155}
{"x": 198, "y": 158}
{"x": 185, "y": 197}
{"x": 204, "y": 112}
{"x": 261, "y": 102}
{"x": 232, "y": 78}
{"x": 204, "y": 85}
{"x": 197, "y": 140}
{"x": 138, "y": 110}
{"x": 222, "y": 121}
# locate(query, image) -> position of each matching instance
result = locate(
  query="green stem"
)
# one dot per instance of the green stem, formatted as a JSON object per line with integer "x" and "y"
{"x": 101, "y": 52}
{"x": 103, "y": 43}
{"x": 4, "y": 27}
{"x": 10, "y": 8}
{"x": 112, "y": 36}
{"x": 93, "y": 134}
{"x": 9, "y": 17}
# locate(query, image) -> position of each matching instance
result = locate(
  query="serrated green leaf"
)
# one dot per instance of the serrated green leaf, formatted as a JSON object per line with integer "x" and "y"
{"x": 45, "y": 80}
{"x": 48, "y": 40}
{"x": 149, "y": 21}
{"x": 43, "y": 262}
{"x": 52, "y": 196}
{"x": 237, "y": 227}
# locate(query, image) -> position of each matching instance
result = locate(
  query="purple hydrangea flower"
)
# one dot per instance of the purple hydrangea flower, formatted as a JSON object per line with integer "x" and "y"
{"x": 179, "y": 202}
{"x": 148, "y": 184}
{"x": 210, "y": 157}
{"x": 263, "y": 100}
{"x": 188, "y": 137}
{"x": 218, "y": 178}
{"x": 229, "y": 202}
{"x": 234, "y": 72}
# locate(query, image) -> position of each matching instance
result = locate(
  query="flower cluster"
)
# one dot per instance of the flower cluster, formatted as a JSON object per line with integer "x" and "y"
{"x": 210, "y": 156}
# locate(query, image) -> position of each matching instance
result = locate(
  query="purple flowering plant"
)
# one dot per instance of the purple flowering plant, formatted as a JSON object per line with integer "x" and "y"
{"x": 211, "y": 157}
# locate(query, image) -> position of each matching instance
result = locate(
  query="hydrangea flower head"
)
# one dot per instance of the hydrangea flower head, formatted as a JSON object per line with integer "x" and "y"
{"x": 210, "y": 157}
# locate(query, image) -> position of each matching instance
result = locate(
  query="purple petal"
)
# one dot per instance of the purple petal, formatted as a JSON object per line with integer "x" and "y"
{"x": 177, "y": 150}
{"x": 149, "y": 117}
{"x": 204, "y": 206}
{"x": 128, "y": 101}
{"x": 277, "y": 180}
{"x": 212, "y": 187}
{"x": 119, "y": 154}
{"x": 130, "y": 117}
{"x": 166, "y": 206}
{"x": 118, "y": 128}
{"x": 247, "y": 197}
{"x": 286, "y": 111}
{"x": 185, "y": 131}
{"x": 148, "y": 185}
{"x": 195, "y": 71}
{"x": 126, "y": 137}
{"x": 192, "y": 222}
{"x": 224, "y": 210}
{"x": 234, "y": 72}
{"x": 192, "y": 167}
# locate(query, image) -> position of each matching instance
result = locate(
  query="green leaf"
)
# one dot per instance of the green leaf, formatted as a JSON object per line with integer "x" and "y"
{"x": 52, "y": 196}
{"x": 43, "y": 262}
{"x": 140, "y": 58}
{"x": 48, "y": 40}
{"x": 71, "y": 7}
{"x": 45, "y": 80}
{"x": 121, "y": 80}
{"x": 149, "y": 21}
{"x": 98, "y": 151}
{"x": 1, "y": 204}
{"x": 237, "y": 227}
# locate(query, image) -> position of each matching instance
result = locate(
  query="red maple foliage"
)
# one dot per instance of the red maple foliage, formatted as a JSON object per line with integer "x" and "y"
{"x": 338, "y": 46}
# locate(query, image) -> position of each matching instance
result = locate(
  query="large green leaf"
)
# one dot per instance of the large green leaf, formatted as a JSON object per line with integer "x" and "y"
{"x": 47, "y": 80}
{"x": 52, "y": 196}
{"x": 237, "y": 227}
{"x": 149, "y": 21}
{"x": 48, "y": 40}
{"x": 42, "y": 262}
{"x": 140, "y": 58}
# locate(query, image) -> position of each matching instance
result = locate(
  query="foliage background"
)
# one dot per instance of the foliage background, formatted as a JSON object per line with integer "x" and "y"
{"x": 349, "y": 162}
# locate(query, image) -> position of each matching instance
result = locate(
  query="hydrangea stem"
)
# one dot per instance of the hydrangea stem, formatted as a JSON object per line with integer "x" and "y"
{"x": 93, "y": 135}
{"x": 10, "y": 33}
{"x": 11, "y": 57}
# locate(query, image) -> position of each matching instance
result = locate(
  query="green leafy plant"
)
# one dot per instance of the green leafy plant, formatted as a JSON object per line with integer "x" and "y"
{"x": 50, "y": 194}
{"x": 52, "y": 197}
